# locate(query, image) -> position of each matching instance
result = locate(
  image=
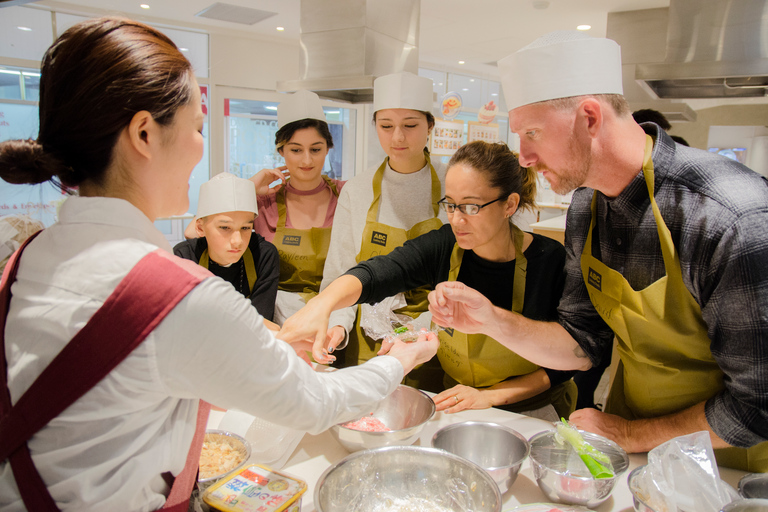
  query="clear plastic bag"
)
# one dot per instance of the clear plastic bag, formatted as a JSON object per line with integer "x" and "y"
{"x": 682, "y": 476}
{"x": 380, "y": 322}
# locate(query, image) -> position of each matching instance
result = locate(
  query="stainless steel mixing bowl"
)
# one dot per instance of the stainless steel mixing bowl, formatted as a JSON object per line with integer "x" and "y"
{"x": 497, "y": 449}
{"x": 406, "y": 476}
{"x": 404, "y": 412}
{"x": 549, "y": 461}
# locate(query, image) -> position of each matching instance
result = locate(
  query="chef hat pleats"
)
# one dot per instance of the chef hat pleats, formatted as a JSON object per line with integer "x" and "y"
{"x": 561, "y": 64}
{"x": 300, "y": 105}
{"x": 402, "y": 90}
{"x": 226, "y": 192}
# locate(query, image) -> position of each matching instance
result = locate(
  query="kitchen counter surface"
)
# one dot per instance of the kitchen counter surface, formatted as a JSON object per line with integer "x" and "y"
{"x": 315, "y": 453}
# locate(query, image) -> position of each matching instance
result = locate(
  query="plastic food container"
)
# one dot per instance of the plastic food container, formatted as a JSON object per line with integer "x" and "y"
{"x": 256, "y": 488}
{"x": 214, "y": 442}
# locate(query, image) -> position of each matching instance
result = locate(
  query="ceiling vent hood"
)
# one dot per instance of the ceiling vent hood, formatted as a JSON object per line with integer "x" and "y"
{"x": 347, "y": 44}
{"x": 715, "y": 49}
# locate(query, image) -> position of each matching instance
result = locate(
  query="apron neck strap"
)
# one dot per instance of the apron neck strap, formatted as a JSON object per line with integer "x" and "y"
{"x": 521, "y": 268}
{"x": 373, "y": 210}
{"x": 282, "y": 211}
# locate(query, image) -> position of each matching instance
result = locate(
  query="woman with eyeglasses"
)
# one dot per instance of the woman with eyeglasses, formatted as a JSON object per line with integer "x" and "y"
{"x": 484, "y": 187}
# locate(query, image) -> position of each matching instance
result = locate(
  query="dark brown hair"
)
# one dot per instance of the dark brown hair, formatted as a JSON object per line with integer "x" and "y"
{"x": 501, "y": 168}
{"x": 94, "y": 79}
{"x": 285, "y": 133}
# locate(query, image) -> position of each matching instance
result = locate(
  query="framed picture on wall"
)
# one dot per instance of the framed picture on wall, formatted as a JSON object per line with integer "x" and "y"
{"x": 446, "y": 137}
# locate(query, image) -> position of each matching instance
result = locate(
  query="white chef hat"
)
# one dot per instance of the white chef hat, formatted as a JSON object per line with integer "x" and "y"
{"x": 402, "y": 90}
{"x": 226, "y": 192}
{"x": 299, "y": 105}
{"x": 561, "y": 64}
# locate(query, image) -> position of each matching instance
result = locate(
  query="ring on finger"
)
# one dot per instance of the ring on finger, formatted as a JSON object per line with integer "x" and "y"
{"x": 456, "y": 397}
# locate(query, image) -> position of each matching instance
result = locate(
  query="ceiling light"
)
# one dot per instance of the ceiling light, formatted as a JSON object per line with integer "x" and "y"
{"x": 494, "y": 94}
{"x": 10, "y": 72}
{"x": 280, "y": 29}
{"x": 584, "y": 27}
{"x": 144, "y": 6}
{"x": 465, "y": 89}
{"x": 184, "y": 49}
{"x": 29, "y": 73}
{"x": 333, "y": 112}
{"x": 271, "y": 108}
{"x": 461, "y": 62}
{"x": 25, "y": 29}
{"x": 441, "y": 83}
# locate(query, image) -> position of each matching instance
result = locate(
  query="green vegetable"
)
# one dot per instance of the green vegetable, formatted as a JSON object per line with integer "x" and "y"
{"x": 401, "y": 330}
{"x": 598, "y": 463}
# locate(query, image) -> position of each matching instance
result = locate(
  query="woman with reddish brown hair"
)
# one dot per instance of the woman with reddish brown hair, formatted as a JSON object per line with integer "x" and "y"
{"x": 109, "y": 341}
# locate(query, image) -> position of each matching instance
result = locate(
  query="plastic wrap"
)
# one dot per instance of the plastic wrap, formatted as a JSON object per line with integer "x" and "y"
{"x": 583, "y": 456}
{"x": 380, "y": 322}
{"x": 682, "y": 476}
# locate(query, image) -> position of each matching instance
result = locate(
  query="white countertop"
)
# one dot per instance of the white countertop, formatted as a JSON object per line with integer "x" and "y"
{"x": 315, "y": 453}
{"x": 555, "y": 223}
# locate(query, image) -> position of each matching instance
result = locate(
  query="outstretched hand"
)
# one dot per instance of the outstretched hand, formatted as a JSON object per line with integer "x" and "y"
{"x": 412, "y": 353}
{"x": 310, "y": 324}
{"x": 455, "y": 305}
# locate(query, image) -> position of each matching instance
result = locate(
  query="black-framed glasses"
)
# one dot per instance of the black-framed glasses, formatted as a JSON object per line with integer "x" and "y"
{"x": 466, "y": 209}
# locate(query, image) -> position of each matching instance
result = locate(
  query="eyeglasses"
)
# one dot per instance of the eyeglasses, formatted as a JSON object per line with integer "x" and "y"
{"x": 466, "y": 209}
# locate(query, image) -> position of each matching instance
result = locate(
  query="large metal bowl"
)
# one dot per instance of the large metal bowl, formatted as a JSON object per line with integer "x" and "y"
{"x": 497, "y": 449}
{"x": 404, "y": 412}
{"x": 406, "y": 476}
{"x": 549, "y": 460}
{"x": 747, "y": 505}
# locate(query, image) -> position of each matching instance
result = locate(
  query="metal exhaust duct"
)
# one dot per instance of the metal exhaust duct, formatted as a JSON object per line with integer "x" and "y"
{"x": 347, "y": 44}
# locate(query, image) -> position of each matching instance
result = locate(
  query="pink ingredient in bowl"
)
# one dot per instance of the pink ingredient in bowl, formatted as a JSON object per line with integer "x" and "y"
{"x": 367, "y": 424}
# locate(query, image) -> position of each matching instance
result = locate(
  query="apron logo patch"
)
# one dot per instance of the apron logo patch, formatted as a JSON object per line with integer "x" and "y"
{"x": 595, "y": 279}
{"x": 291, "y": 240}
{"x": 379, "y": 238}
{"x": 449, "y": 332}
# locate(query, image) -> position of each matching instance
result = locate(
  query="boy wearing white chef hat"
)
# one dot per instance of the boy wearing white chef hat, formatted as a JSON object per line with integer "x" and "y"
{"x": 227, "y": 245}
{"x": 679, "y": 278}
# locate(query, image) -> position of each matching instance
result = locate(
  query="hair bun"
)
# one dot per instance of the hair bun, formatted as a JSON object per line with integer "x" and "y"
{"x": 26, "y": 162}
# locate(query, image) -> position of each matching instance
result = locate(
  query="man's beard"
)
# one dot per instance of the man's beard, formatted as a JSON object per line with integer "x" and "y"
{"x": 564, "y": 181}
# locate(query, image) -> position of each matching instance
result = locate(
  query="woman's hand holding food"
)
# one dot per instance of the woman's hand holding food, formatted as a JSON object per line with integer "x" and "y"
{"x": 413, "y": 353}
{"x": 461, "y": 397}
{"x": 337, "y": 338}
{"x": 455, "y": 305}
{"x": 264, "y": 177}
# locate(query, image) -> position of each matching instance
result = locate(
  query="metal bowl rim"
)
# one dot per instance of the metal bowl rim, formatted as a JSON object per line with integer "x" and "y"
{"x": 240, "y": 438}
{"x": 631, "y": 475}
{"x": 622, "y": 451}
{"x": 385, "y": 432}
{"x": 349, "y": 458}
{"x": 518, "y": 435}
{"x": 748, "y": 478}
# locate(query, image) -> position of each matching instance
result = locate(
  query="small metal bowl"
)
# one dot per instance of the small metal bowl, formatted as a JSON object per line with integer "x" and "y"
{"x": 754, "y": 485}
{"x": 405, "y": 476}
{"x": 549, "y": 461}
{"x": 404, "y": 412}
{"x": 497, "y": 449}
{"x": 235, "y": 441}
{"x": 746, "y": 505}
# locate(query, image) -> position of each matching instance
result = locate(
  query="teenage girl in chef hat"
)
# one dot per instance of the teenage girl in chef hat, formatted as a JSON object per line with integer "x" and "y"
{"x": 382, "y": 208}
{"x": 227, "y": 245}
{"x": 130, "y": 148}
{"x": 297, "y": 216}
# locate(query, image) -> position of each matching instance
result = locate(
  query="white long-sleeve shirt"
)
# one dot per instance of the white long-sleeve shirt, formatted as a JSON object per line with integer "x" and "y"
{"x": 406, "y": 200}
{"x": 108, "y": 450}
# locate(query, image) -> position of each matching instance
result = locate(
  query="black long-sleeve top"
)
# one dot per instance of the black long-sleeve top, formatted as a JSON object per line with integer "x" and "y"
{"x": 265, "y": 258}
{"x": 426, "y": 261}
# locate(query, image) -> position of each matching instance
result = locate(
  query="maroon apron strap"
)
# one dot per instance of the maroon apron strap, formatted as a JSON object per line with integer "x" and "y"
{"x": 139, "y": 303}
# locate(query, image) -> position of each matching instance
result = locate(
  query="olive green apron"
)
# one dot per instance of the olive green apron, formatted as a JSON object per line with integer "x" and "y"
{"x": 381, "y": 239}
{"x": 250, "y": 267}
{"x": 302, "y": 252}
{"x": 479, "y": 361}
{"x": 665, "y": 361}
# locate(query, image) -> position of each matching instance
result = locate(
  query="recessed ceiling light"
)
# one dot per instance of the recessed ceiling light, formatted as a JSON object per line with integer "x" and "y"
{"x": 494, "y": 94}
{"x": 584, "y": 27}
{"x": 144, "y": 6}
{"x": 280, "y": 29}
{"x": 184, "y": 49}
{"x": 471, "y": 79}
{"x": 333, "y": 112}
{"x": 465, "y": 89}
{"x": 461, "y": 62}
{"x": 271, "y": 108}
{"x": 25, "y": 29}
{"x": 441, "y": 83}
